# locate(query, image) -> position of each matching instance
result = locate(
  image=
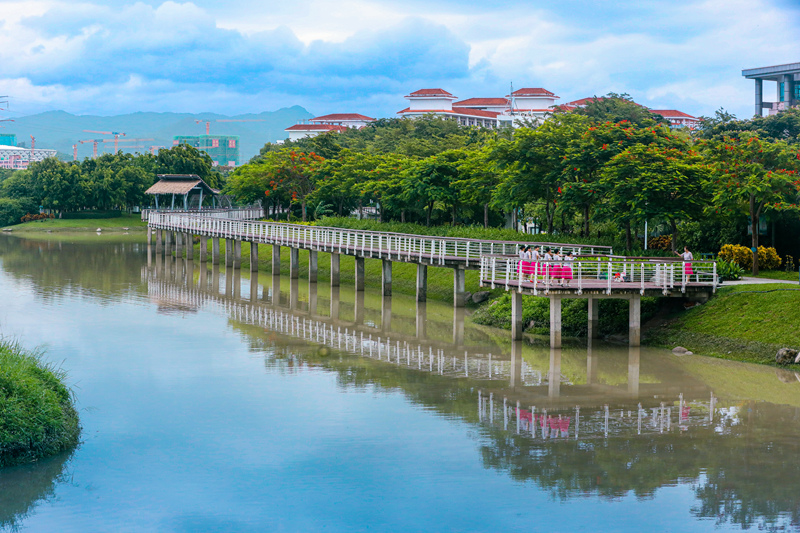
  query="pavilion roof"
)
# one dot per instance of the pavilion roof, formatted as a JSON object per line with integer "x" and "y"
{"x": 179, "y": 184}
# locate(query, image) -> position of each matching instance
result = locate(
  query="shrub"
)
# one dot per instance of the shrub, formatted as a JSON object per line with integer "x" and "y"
{"x": 789, "y": 263}
{"x": 663, "y": 242}
{"x": 729, "y": 270}
{"x": 30, "y": 217}
{"x": 768, "y": 258}
{"x": 92, "y": 214}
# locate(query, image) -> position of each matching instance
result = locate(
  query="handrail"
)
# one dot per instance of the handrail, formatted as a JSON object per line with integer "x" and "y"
{"x": 630, "y": 273}
{"x": 234, "y": 213}
{"x": 423, "y": 248}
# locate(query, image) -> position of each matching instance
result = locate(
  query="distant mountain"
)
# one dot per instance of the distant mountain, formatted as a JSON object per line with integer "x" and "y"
{"x": 60, "y": 130}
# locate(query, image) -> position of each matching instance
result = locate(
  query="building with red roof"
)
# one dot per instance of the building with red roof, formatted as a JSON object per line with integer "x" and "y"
{"x": 677, "y": 119}
{"x": 336, "y": 122}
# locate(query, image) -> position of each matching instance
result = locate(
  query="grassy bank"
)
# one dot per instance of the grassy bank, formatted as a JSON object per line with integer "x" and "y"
{"x": 133, "y": 222}
{"x": 776, "y": 274}
{"x": 742, "y": 323}
{"x": 37, "y": 413}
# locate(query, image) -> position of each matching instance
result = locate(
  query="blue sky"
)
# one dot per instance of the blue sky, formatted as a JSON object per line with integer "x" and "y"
{"x": 110, "y": 57}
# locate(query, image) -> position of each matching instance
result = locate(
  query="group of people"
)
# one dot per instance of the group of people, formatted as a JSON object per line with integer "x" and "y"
{"x": 552, "y": 264}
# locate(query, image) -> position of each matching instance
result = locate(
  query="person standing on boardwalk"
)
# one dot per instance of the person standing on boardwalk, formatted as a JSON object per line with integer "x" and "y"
{"x": 521, "y": 267}
{"x": 547, "y": 267}
{"x": 566, "y": 271}
{"x": 535, "y": 267}
{"x": 687, "y": 261}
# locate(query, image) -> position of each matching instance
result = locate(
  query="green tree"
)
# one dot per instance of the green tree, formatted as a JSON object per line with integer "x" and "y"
{"x": 185, "y": 159}
{"x": 479, "y": 177}
{"x": 615, "y": 107}
{"x": 431, "y": 180}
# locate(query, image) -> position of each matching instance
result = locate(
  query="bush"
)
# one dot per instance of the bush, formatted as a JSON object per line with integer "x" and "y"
{"x": 663, "y": 242}
{"x": 84, "y": 215}
{"x": 729, "y": 270}
{"x": 788, "y": 264}
{"x": 31, "y": 217}
{"x": 37, "y": 414}
{"x": 768, "y": 258}
{"x": 13, "y": 209}
{"x": 574, "y": 315}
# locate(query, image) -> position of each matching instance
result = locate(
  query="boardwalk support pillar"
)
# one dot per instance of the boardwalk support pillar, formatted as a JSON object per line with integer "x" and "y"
{"x": 203, "y": 249}
{"x": 228, "y": 252}
{"x": 214, "y": 250}
{"x": 635, "y": 320}
{"x": 422, "y": 282}
{"x": 335, "y": 269}
{"x": 313, "y": 268}
{"x": 294, "y": 263}
{"x": 594, "y": 317}
{"x": 276, "y": 260}
{"x": 359, "y": 273}
{"x": 386, "y": 278}
{"x": 459, "y": 287}
{"x": 253, "y": 257}
{"x": 237, "y": 254}
{"x": 516, "y": 315}
{"x": 555, "y": 322}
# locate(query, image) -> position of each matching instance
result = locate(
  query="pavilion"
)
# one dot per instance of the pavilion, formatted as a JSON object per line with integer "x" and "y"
{"x": 190, "y": 186}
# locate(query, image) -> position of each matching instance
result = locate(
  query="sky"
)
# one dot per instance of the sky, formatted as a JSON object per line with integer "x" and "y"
{"x": 109, "y": 57}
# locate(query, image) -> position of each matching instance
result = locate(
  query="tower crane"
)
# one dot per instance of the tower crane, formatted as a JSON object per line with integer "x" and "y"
{"x": 116, "y": 135}
{"x": 94, "y": 149}
{"x": 208, "y": 122}
{"x": 115, "y": 141}
{"x": 153, "y": 148}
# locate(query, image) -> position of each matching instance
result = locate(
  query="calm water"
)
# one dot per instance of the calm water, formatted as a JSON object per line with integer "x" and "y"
{"x": 211, "y": 401}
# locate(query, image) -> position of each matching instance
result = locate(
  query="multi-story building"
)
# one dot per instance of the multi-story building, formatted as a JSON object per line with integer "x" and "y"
{"x": 520, "y": 107}
{"x": 17, "y": 158}
{"x": 787, "y": 83}
{"x": 336, "y": 122}
{"x": 223, "y": 149}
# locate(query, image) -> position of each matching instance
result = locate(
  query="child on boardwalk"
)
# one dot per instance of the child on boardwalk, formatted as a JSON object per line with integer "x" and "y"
{"x": 566, "y": 271}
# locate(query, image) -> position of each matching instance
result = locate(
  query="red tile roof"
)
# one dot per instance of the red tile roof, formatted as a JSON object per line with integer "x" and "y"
{"x": 316, "y": 127}
{"x": 672, "y": 113}
{"x": 585, "y": 101}
{"x": 495, "y": 102}
{"x": 533, "y": 91}
{"x": 335, "y": 117}
{"x": 430, "y": 92}
{"x": 456, "y": 111}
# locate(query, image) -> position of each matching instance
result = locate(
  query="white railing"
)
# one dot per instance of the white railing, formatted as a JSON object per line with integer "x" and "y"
{"x": 234, "y": 213}
{"x": 604, "y": 273}
{"x": 398, "y": 246}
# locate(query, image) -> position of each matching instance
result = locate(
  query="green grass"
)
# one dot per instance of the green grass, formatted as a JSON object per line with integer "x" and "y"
{"x": 133, "y": 221}
{"x": 776, "y": 274}
{"x": 743, "y": 323}
{"x": 37, "y": 412}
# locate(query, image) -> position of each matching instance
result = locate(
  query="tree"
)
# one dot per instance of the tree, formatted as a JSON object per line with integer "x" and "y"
{"x": 479, "y": 177}
{"x": 431, "y": 180}
{"x": 754, "y": 175}
{"x": 615, "y": 107}
{"x": 185, "y": 159}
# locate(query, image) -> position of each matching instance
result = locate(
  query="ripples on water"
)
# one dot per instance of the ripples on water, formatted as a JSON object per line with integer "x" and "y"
{"x": 218, "y": 401}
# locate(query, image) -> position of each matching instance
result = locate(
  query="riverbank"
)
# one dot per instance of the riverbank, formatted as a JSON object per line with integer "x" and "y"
{"x": 37, "y": 412}
{"x": 743, "y": 323}
{"x": 122, "y": 223}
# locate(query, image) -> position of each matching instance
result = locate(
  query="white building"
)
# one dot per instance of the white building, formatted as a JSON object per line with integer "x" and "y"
{"x": 17, "y": 158}
{"x": 336, "y": 122}
{"x": 678, "y": 119}
{"x": 523, "y": 105}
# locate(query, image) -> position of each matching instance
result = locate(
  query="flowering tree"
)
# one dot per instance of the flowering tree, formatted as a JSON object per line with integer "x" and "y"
{"x": 756, "y": 176}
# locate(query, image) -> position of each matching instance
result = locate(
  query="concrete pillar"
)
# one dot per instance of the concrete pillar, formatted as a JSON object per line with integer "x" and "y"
{"x": 237, "y": 254}
{"x": 459, "y": 287}
{"x": 149, "y": 235}
{"x": 634, "y": 355}
{"x": 422, "y": 320}
{"x": 788, "y": 89}
{"x": 458, "y": 325}
{"x": 635, "y": 320}
{"x": 359, "y": 273}
{"x": 386, "y": 278}
{"x": 203, "y": 249}
{"x": 759, "y": 96}
{"x": 335, "y": 269}
{"x": 276, "y": 260}
{"x": 555, "y": 322}
{"x": 254, "y": 257}
{"x": 335, "y": 303}
{"x": 294, "y": 263}
{"x": 594, "y": 317}
{"x": 516, "y": 316}
{"x": 516, "y": 364}
{"x": 214, "y": 250}
{"x": 386, "y": 313}
{"x": 228, "y": 252}
{"x": 159, "y": 243}
{"x": 313, "y": 269}
{"x": 422, "y": 282}
{"x": 554, "y": 374}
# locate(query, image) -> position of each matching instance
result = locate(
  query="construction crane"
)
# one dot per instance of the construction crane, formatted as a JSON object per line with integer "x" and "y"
{"x": 74, "y": 152}
{"x": 33, "y": 145}
{"x": 115, "y": 141}
{"x": 153, "y": 148}
{"x": 208, "y": 122}
{"x": 116, "y": 135}
{"x": 94, "y": 150}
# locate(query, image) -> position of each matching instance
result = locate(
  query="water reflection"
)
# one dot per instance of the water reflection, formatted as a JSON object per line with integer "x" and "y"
{"x": 23, "y": 487}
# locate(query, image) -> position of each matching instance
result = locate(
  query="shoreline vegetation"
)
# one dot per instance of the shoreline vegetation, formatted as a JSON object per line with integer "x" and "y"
{"x": 38, "y": 418}
{"x": 121, "y": 223}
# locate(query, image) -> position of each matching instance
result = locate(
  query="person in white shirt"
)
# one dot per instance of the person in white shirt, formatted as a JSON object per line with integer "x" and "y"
{"x": 687, "y": 261}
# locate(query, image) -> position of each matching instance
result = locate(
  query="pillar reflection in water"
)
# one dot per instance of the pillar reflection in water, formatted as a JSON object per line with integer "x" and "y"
{"x": 294, "y": 293}
{"x": 422, "y": 320}
{"x": 228, "y": 281}
{"x": 386, "y": 313}
{"x": 335, "y": 303}
{"x": 312, "y": 298}
{"x": 202, "y": 277}
{"x": 358, "y": 307}
{"x": 253, "y": 286}
{"x": 276, "y": 290}
{"x": 458, "y": 325}
{"x": 516, "y": 364}
{"x": 634, "y": 355}
{"x": 159, "y": 265}
{"x": 237, "y": 283}
{"x": 215, "y": 278}
{"x": 188, "y": 272}
{"x": 554, "y": 373}
{"x": 591, "y": 363}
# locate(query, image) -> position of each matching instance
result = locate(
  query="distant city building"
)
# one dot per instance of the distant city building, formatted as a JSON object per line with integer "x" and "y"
{"x": 223, "y": 149}
{"x": 787, "y": 82}
{"x": 677, "y": 119}
{"x": 8, "y": 139}
{"x": 17, "y": 158}
{"x": 336, "y": 122}
{"x": 519, "y": 107}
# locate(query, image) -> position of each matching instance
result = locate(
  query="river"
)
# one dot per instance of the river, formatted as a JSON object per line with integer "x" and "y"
{"x": 215, "y": 401}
